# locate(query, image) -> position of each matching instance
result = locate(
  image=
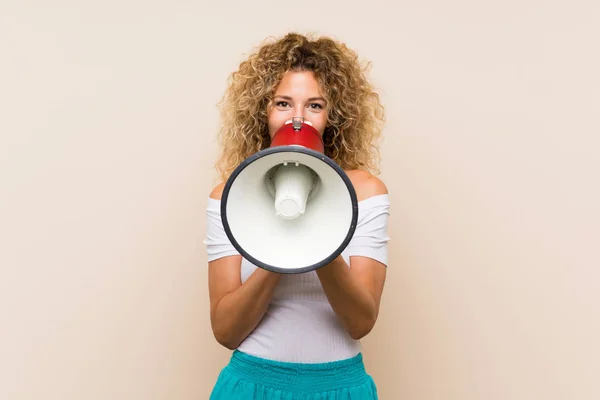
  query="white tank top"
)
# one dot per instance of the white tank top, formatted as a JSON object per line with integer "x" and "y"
{"x": 299, "y": 324}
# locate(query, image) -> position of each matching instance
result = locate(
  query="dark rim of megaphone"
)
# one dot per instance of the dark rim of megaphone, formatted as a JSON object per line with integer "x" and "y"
{"x": 298, "y": 149}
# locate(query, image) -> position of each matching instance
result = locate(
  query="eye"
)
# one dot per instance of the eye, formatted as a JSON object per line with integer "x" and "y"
{"x": 316, "y": 106}
{"x": 282, "y": 104}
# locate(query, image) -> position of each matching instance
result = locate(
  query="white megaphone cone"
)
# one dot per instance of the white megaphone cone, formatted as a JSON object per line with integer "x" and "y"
{"x": 290, "y": 208}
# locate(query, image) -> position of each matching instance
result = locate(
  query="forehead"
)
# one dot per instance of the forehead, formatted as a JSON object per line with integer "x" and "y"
{"x": 299, "y": 83}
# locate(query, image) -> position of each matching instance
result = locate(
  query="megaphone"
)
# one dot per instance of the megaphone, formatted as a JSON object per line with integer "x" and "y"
{"x": 289, "y": 208}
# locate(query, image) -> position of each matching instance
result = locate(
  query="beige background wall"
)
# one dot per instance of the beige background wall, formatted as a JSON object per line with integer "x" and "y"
{"x": 108, "y": 121}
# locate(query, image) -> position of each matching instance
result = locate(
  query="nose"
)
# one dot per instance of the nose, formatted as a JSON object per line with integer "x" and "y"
{"x": 302, "y": 112}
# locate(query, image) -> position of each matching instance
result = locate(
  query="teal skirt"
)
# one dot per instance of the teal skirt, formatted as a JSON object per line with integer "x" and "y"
{"x": 248, "y": 377}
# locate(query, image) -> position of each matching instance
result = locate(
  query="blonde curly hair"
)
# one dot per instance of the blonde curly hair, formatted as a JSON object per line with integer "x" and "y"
{"x": 355, "y": 115}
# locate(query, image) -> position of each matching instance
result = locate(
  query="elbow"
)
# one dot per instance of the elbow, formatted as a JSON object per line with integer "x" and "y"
{"x": 358, "y": 334}
{"x": 226, "y": 340}
{"x": 362, "y": 324}
{"x": 229, "y": 345}
{"x": 362, "y": 330}
{"x": 223, "y": 332}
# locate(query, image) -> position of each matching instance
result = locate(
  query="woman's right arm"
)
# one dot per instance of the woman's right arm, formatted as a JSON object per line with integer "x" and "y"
{"x": 236, "y": 308}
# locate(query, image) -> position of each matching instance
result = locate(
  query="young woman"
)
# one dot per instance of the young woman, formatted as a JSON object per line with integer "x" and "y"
{"x": 296, "y": 336}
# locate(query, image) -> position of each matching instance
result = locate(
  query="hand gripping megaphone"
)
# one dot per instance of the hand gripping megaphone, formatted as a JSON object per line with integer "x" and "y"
{"x": 289, "y": 208}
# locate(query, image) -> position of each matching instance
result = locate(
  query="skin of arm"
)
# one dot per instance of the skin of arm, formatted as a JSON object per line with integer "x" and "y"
{"x": 354, "y": 292}
{"x": 236, "y": 308}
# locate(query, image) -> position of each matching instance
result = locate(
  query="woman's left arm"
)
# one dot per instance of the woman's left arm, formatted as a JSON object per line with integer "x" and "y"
{"x": 354, "y": 293}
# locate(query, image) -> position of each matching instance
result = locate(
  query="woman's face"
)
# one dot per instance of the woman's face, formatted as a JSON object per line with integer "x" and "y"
{"x": 297, "y": 95}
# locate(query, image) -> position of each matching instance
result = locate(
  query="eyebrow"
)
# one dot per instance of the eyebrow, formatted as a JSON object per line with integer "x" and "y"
{"x": 309, "y": 99}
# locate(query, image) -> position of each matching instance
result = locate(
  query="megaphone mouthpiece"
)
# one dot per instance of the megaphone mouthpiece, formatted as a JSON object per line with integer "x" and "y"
{"x": 293, "y": 184}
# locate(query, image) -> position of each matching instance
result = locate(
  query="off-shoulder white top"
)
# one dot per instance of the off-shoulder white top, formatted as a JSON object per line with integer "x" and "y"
{"x": 299, "y": 324}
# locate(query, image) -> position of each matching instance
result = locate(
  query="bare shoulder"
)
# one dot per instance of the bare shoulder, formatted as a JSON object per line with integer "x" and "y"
{"x": 217, "y": 191}
{"x": 366, "y": 184}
